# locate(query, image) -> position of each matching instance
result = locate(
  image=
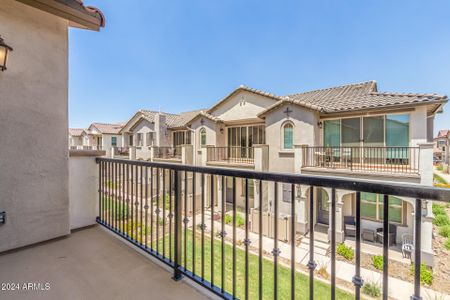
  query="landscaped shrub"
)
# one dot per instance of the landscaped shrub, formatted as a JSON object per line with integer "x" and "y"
{"x": 445, "y": 231}
{"x": 426, "y": 274}
{"x": 239, "y": 220}
{"x": 440, "y": 168}
{"x": 372, "y": 289}
{"x": 345, "y": 251}
{"x": 438, "y": 179}
{"x": 377, "y": 262}
{"x": 441, "y": 220}
{"x": 438, "y": 209}
{"x": 447, "y": 244}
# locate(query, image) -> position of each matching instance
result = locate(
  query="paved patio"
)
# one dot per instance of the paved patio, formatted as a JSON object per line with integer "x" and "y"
{"x": 89, "y": 264}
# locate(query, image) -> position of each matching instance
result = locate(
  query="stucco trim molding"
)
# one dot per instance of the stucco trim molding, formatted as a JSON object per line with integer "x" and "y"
{"x": 86, "y": 153}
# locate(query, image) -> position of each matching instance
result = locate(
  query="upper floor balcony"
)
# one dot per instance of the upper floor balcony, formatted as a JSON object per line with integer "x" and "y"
{"x": 230, "y": 155}
{"x": 367, "y": 160}
{"x": 167, "y": 153}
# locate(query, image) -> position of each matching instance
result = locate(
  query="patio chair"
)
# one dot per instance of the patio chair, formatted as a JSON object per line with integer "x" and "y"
{"x": 349, "y": 226}
{"x": 407, "y": 245}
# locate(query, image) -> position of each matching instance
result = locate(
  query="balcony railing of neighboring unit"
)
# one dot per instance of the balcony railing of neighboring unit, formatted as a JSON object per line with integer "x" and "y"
{"x": 121, "y": 151}
{"x": 393, "y": 160}
{"x": 167, "y": 152}
{"x": 80, "y": 147}
{"x": 151, "y": 206}
{"x": 231, "y": 154}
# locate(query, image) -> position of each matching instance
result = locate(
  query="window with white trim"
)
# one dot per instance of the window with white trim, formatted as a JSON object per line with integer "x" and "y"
{"x": 288, "y": 136}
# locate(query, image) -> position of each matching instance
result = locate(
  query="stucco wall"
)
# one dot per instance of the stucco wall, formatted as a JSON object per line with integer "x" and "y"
{"x": 306, "y": 131}
{"x": 83, "y": 186}
{"x": 144, "y": 127}
{"x": 33, "y": 117}
{"x": 241, "y": 106}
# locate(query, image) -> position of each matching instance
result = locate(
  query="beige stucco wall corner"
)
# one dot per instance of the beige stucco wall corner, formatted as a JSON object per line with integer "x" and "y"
{"x": 34, "y": 120}
{"x": 83, "y": 188}
{"x": 426, "y": 163}
{"x": 261, "y": 157}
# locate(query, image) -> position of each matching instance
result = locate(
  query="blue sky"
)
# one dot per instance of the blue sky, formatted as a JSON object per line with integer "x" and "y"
{"x": 178, "y": 55}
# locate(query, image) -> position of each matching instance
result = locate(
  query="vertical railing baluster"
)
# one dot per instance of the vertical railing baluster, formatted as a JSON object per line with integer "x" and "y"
{"x": 260, "y": 241}
{"x": 185, "y": 219}
{"x": 275, "y": 250}
{"x": 141, "y": 204}
{"x": 203, "y": 228}
{"x": 122, "y": 196}
{"x": 333, "y": 244}
{"x": 157, "y": 210}
{"x": 178, "y": 211}
{"x": 100, "y": 192}
{"x": 146, "y": 207}
{"x": 357, "y": 280}
{"x": 212, "y": 229}
{"x": 132, "y": 202}
{"x": 136, "y": 203}
{"x": 109, "y": 193}
{"x": 152, "y": 210}
{"x": 222, "y": 235}
{"x": 247, "y": 240}
{"x": 164, "y": 212}
{"x": 234, "y": 237}
{"x": 385, "y": 246}
{"x": 417, "y": 249}
{"x": 293, "y": 234}
{"x": 311, "y": 264}
{"x": 128, "y": 200}
{"x": 171, "y": 214}
{"x": 194, "y": 211}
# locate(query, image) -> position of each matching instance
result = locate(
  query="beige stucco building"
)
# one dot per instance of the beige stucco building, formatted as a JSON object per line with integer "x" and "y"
{"x": 350, "y": 131}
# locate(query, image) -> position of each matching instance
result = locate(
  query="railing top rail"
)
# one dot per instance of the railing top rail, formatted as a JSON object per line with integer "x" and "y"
{"x": 365, "y": 147}
{"x": 394, "y": 189}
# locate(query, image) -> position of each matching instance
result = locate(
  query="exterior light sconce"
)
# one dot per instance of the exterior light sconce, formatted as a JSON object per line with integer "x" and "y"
{"x": 221, "y": 130}
{"x": 320, "y": 124}
{"x": 4, "y": 49}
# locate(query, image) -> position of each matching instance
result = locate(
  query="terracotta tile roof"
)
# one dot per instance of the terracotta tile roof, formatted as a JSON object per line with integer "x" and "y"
{"x": 75, "y": 131}
{"x": 352, "y": 97}
{"x": 443, "y": 133}
{"x": 93, "y": 11}
{"x": 182, "y": 119}
{"x": 106, "y": 128}
{"x": 172, "y": 120}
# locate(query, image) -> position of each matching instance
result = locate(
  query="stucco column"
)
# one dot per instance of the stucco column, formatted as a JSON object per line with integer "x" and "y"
{"x": 132, "y": 153}
{"x": 298, "y": 158}
{"x": 152, "y": 152}
{"x": 204, "y": 154}
{"x": 426, "y": 163}
{"x": 301, "y": 210}
{"x": 427, "y": 253}
{"x": 340, "y": 236}
{"x": 261, "y": 159}
{"x": 113, "y": 152}
{"x": 83, "y": 202}
{"x": 187, "y": 152}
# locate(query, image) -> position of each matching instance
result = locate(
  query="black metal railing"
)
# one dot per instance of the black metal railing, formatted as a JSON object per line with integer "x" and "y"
{"x": 167, "y": 152}
{"x": 400, "y": 160}
{"x": 230, "y": 154}
{"x": 83, "y": 147}
{"x": 175, "y": 213}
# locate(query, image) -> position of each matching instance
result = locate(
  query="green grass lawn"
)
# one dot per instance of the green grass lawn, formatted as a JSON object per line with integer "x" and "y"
{"x": 321, "y": 290}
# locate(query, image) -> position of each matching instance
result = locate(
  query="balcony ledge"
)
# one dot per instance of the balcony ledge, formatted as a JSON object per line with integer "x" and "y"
{"x": 359, "y": 172}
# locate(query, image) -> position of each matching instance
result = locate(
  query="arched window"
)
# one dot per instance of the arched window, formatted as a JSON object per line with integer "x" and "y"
{"x": 288, "y": 136}
{"x": 203, "y": 137}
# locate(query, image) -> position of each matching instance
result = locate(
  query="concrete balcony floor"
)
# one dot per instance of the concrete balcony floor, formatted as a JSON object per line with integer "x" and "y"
{"x": 89, "y": 264}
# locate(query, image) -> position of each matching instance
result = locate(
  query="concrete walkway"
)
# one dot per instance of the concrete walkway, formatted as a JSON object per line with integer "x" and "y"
{"x": 444, "y": 176}
{"x": 89, "y": 264}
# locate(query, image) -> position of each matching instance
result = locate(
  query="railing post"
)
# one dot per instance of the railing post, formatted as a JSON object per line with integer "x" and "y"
{"x": 417, "y": 249}
{"x": 177, "y": 238}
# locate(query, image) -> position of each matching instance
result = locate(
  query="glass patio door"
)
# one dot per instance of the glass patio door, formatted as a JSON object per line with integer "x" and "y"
{"x": 373, "y": 140}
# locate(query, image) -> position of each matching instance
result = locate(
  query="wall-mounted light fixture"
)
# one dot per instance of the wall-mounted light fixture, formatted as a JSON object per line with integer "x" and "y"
{"x": 320, "y": 124}
{"x": 221, "y": 130}
{"x": 4, "y": 49}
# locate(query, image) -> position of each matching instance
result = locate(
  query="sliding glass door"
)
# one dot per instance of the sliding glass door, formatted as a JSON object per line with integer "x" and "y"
{"x": 380, "y": 139}
{"x": 241, "y": 138}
